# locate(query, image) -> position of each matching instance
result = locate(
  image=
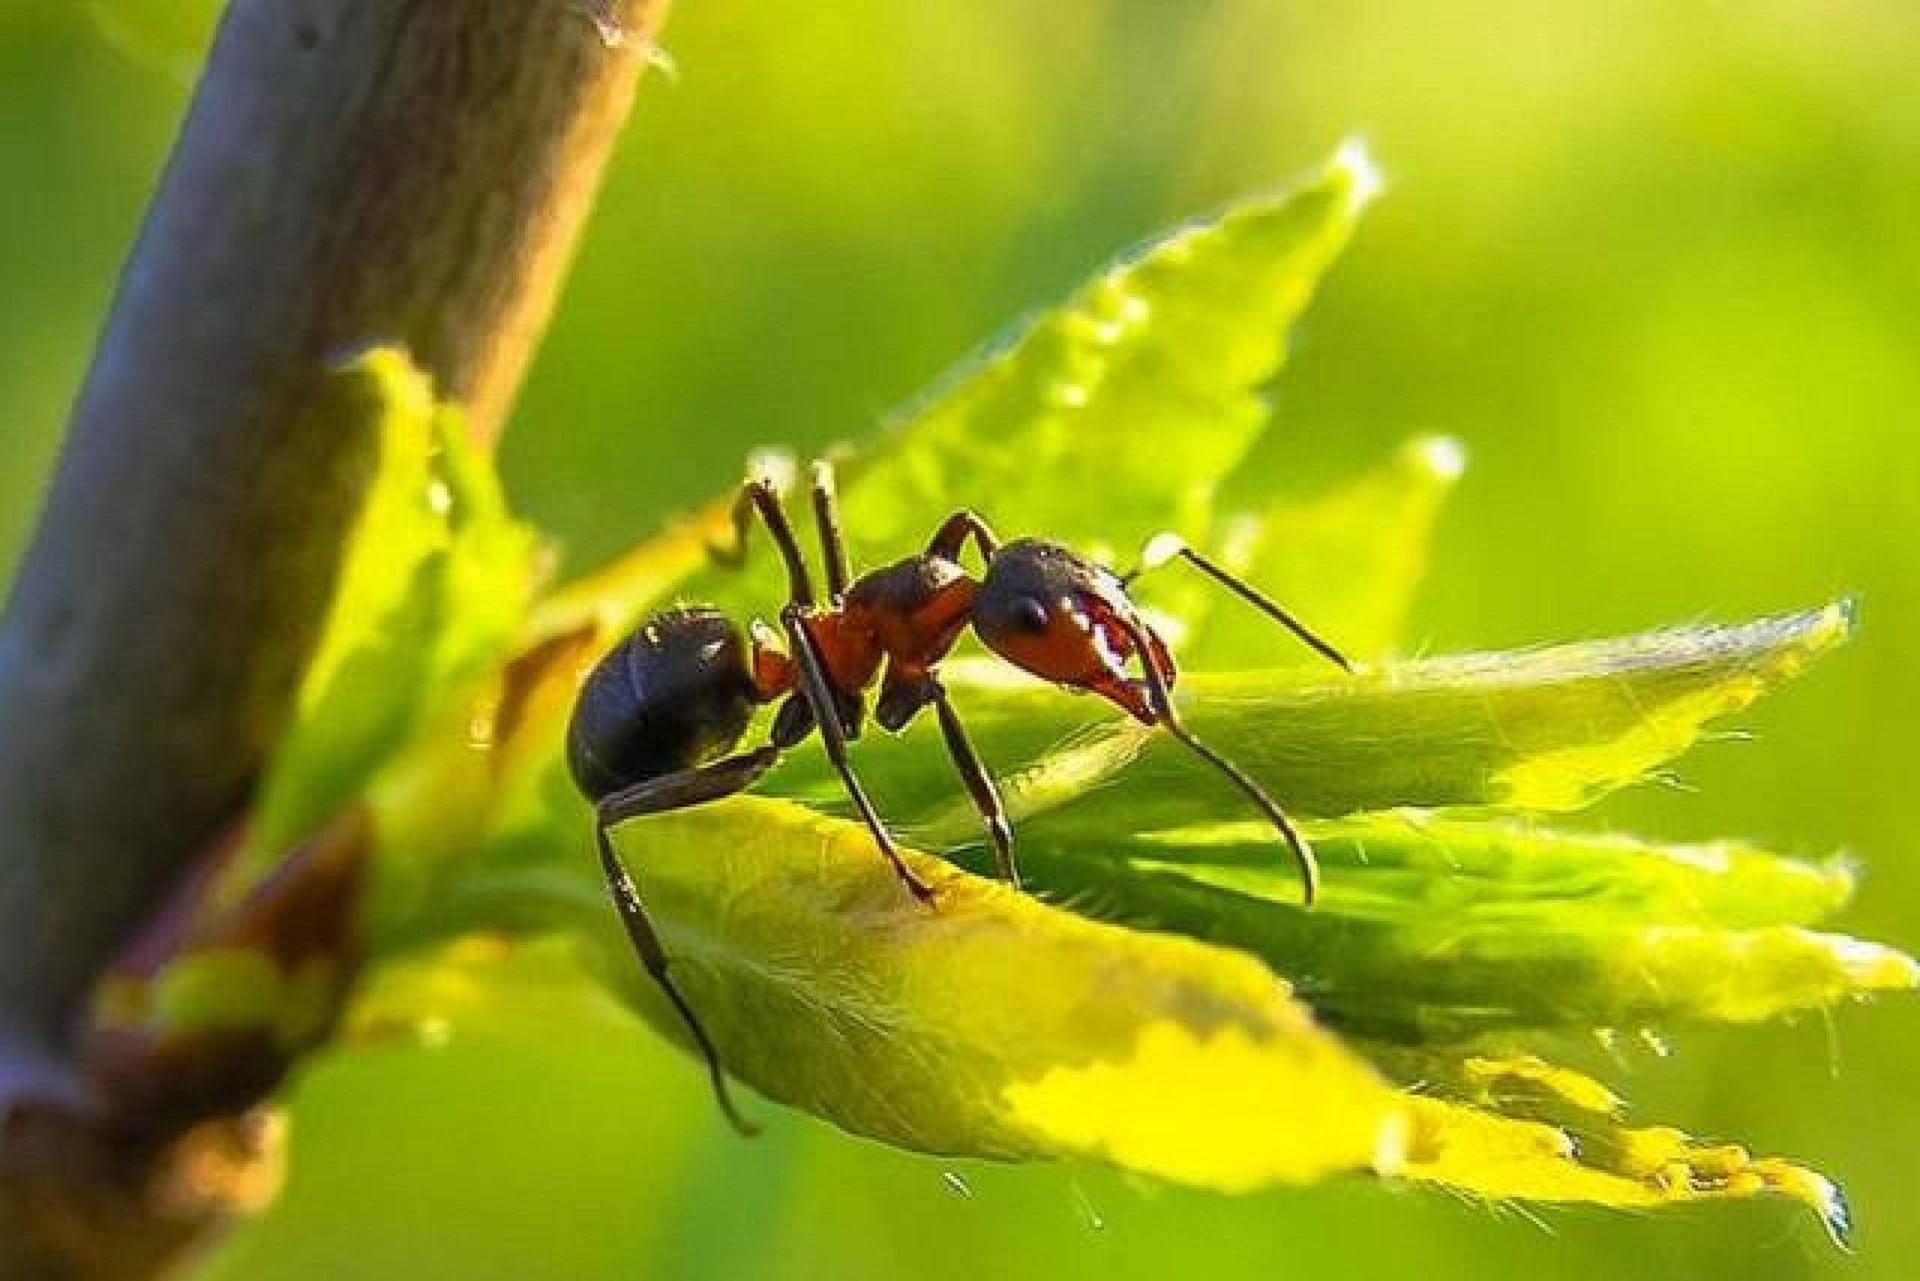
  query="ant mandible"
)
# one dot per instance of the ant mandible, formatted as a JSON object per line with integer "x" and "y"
{"x": 659, "y": 714}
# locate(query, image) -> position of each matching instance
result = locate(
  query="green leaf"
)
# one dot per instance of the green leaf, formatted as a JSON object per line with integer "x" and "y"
{"x": 1435, "y": 930}
{"x": 168, "y": 36}
{"x": 435, "y": 582}
{"x": 1482, "y": 1154}
{"x": 998, "y": 1026}
{"x": 1548, "y": 729}
{"x": 1411, "y": 865}
{"x": 1138, "y": 393}
{"x": 991, "y": 1026}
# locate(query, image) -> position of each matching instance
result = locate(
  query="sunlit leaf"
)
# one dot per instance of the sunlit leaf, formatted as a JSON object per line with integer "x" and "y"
{"x": 1413, "y": 865}
{"x": 1438, "y": 931}
{"x": 1429, "y": 926}
{"x": 435, "y": 582}
{"x": 1547, "y": 729}
{"x": 1599, "y": 1163}
{"x": 991, "y": 1026}
{"x": 997, "y": 1026}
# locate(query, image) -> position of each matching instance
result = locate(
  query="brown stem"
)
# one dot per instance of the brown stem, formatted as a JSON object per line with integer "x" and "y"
{"x": 351, "y": 171}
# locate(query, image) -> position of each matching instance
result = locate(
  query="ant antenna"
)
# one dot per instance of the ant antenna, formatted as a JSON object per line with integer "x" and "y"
{"x": 1162, "y": 548}
{"x": 1162, "y": 700}
{"x": 1303, "y": 855}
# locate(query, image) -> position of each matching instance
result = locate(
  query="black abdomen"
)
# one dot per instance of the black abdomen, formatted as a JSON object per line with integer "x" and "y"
{"x": 675, "y": 694}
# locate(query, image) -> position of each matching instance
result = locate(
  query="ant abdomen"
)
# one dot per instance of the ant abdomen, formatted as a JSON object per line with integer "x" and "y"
{"x": 676, "y": 694}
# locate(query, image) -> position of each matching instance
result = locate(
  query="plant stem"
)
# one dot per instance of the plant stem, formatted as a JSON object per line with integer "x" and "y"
{"x": 351, "y": 171}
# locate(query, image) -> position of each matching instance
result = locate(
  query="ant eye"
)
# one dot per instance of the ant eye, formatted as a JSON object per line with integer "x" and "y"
{"x": 1030, "y": 614}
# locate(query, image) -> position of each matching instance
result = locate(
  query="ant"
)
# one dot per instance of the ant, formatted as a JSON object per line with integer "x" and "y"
{"x": 658, "y": 718}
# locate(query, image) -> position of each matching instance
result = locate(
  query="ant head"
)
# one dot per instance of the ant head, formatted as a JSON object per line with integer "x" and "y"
{"x": 1066, "y": 620}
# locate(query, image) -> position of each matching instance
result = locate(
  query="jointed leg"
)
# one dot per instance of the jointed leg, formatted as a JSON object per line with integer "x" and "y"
{"x": 826, "y": 519}
{"x": 673, "y": 791}
{"x": 902, "y": 699}
{"x": 986, "y": 797}
{"x": 1165, "y": 547}
{"x": 813, "y": 684}
{"x": 1160, "y": 696}
{"x": 954, "y": 532}
{"x": 761, "y": 497}
{"x": 689, "y": 787}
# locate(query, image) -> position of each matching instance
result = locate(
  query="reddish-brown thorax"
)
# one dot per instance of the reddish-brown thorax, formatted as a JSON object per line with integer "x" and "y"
{"x": 915, "y": 637}
{"x": 908, "y": 630}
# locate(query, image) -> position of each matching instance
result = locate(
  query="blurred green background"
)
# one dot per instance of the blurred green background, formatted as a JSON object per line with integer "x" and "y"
{"x": 1656, "y": 261}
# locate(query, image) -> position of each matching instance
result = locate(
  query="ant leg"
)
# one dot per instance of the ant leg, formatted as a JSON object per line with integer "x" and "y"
{"x": 986, "y": 797}
{"x": 833, "y": 735}
{"x": 689, "y": 787}
{"x": 761, "y": 497}
{"x": 1165, "y": 547}
{"x": 826, "y": 519}
{"x": 954, "y": 532}
{"x": 674, "y": 791}
{"x": 1160, "y": 693}
{"x": 853, "y": 713}
{"x": 903, "y": 699}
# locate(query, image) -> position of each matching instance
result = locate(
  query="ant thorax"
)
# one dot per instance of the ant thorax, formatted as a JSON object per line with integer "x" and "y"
{"x": 914, "y": 609}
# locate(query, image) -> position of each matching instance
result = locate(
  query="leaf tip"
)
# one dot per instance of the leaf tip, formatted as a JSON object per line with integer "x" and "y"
{"x": 1835, "y": 1214}
{"x": 1443, "y": 458}
{"x": 384, "y": 372}
{"x": 379, "y": 361}
{"x": 1815, "y": 1191}
{"x": 1833, "y": 624}
{"x": 1356, "y": 174}
{"x": 1874, "y": 967}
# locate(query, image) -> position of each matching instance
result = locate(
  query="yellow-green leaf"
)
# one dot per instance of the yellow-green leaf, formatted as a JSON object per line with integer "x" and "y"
{"x": 1602, "y": 1163}
{"x": 1517, "y": 1127}
{"x": 1411, "y": 865}
{"x": 435, "y": 581}
{"x": 996, "y": 1026}
{"x": 992, "y": 1025}
{"x": 1535, "y": 928}
{"x": 1545, "y": 729}
{"x": 167, "y": 36}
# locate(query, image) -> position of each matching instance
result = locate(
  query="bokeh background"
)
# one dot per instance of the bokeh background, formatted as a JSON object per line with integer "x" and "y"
{"x": 1657, "y": 262}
